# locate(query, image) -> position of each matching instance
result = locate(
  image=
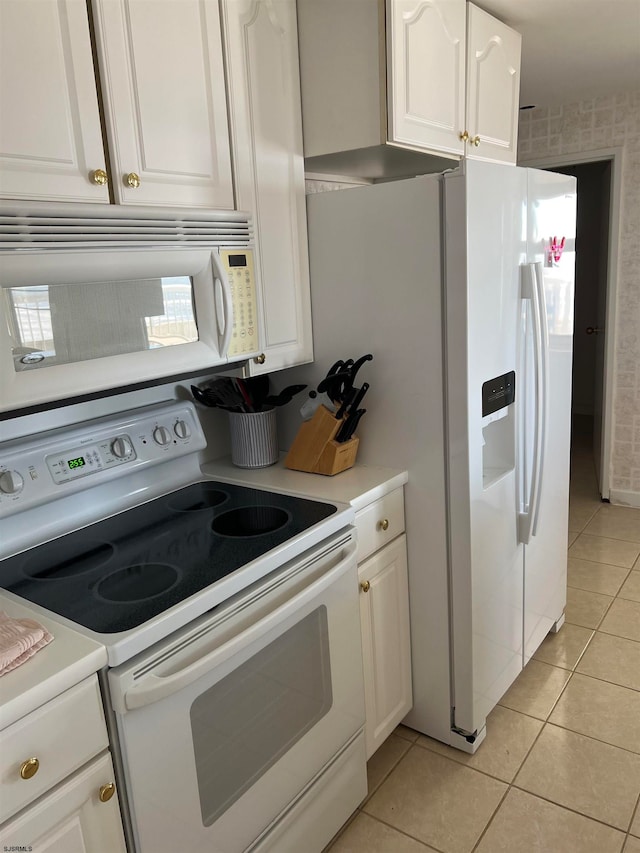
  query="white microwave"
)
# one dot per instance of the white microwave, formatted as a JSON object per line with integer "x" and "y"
{"x": 84, "y": 311}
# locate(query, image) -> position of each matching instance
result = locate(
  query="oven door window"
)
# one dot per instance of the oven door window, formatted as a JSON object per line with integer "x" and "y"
{"x": 247, "y": 721}
{"x": 71, "y": 323}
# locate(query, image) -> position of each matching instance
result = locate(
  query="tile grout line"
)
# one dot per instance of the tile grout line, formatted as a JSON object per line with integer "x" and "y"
{"x": 510, "y": 784}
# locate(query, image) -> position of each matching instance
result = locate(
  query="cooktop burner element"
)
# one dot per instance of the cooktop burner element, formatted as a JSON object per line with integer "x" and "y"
{"x": 250, "y": 521}
{"x": 208, "y": 496}
{"x": 115, "y": 574}
{"x": 138, "y": 583}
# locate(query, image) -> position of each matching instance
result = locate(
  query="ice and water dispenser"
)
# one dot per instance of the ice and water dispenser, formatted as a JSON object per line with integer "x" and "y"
{"x": 498, "y": 427}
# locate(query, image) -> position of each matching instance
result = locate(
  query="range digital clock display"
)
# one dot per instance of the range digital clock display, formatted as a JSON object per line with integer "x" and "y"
{"x": 78, "y": 462}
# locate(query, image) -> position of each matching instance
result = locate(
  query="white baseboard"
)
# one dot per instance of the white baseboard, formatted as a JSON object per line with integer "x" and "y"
{"x": 616, "y": 496}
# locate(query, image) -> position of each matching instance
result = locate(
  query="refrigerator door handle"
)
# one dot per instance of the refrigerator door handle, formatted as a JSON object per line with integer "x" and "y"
{"x": 531, "y": 281}
{"x": 544, "y": 373}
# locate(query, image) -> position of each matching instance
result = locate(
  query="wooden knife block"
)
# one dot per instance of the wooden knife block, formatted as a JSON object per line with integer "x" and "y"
{"x": 314, "y": 449}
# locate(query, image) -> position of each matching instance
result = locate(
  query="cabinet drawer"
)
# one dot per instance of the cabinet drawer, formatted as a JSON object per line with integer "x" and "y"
{"x": 62, "y": 735}
{"x": 379, "y": 523}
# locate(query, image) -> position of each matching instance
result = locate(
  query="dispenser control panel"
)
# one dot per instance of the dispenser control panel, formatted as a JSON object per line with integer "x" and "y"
{"x": 498, "y": 393}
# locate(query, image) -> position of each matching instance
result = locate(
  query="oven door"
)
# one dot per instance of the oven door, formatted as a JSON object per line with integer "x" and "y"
{"x": 228, "y": 724}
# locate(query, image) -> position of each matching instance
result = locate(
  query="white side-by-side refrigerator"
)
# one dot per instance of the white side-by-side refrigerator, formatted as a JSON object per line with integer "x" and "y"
{"x": 461, "y": 285}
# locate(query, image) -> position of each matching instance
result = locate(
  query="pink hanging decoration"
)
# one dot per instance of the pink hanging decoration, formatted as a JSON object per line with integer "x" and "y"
{"x": 556, "y": 249}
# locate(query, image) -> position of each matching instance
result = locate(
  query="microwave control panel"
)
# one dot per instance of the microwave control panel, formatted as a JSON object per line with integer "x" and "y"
{"x": 240, "y": 270}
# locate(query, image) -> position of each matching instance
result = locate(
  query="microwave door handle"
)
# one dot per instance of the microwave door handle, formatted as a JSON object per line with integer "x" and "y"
{"x": 152, "y": 688}
{"x": 224, "y": 304}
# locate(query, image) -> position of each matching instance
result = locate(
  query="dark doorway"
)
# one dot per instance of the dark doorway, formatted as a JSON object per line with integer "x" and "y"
{"x": 592, "y": 262}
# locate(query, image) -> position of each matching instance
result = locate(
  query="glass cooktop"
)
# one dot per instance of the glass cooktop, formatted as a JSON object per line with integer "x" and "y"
{"x": 118, "y": 573}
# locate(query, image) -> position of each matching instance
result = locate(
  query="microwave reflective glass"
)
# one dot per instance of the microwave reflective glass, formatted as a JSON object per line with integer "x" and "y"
{"x": 250, "y": 718}
{"x": 69, "y": 323}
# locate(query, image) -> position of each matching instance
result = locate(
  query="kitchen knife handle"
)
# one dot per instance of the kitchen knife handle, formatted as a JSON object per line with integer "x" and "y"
{"x": 354, "y": 421}
{"x": 355, "y": 403}
{"x": 349, "y": 426}
{"x": 348, "y": 400}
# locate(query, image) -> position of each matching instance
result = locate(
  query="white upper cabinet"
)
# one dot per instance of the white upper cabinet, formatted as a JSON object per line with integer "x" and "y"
{"x": 493, "y": 87}
{"x": 163, "y": 89}
{"x": 426, "y": 48}
{"x": 163, "y": 100}
{"x": 384, "y": 83}
{"x": 266, "y": 127}
{"x": 50, "y": 135}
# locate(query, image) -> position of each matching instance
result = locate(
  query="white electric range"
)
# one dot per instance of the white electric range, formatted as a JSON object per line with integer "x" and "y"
{"x": 230, "y": 618}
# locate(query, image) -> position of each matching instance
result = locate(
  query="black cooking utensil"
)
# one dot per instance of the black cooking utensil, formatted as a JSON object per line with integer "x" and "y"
{"x": 358, "y": 364}
{"x": 201, "y": 397}
{"x": 258, "y": 389}
{"x": 285, "y": 396}
{"x": 248, "y": 402}
{"x": 221, "y": 393}
{"x": 336, "y": 385}
{"x": 211, "y": 398}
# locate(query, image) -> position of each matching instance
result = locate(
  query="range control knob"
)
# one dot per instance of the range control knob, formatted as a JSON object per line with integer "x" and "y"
{"x": 11, "y": 482}
{"x": 121, "y": 447}
{"x": 181, "y": 429}
{"x": 161, "y": 436}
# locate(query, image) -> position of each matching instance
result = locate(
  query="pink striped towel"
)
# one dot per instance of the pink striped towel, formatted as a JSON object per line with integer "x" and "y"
{"x": 20, "y": 639}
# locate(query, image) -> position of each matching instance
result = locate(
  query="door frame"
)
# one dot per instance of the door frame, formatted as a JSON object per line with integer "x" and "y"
{"x": 614, "y": 156}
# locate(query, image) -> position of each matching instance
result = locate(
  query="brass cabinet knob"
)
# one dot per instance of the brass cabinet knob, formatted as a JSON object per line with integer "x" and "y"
{"x": 365, "y": 586}
{"x": 464, "y": 136}
{"x": 29, "y": 768}
{"x": 384, "y": 524}
{"x": 106, "y": 792}
{"x": 132, "y": 180}
{"x": 260, "y": 359}
{"x": 99, "y": 176}
{"x": 476, "y": 140}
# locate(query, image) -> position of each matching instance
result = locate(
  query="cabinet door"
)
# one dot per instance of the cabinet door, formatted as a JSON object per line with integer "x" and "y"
{"x": 164, "y": 97}
{"x": 50, "y": 136}
{"x": 386, "y": 644}
{"x": 72, "y": 818}
{"x": 266, "y": 128}
{"x": 425, "y": 64}
{"x": 493, "y": 87}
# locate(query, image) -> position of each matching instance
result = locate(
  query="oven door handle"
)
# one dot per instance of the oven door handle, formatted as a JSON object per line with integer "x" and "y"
{"x": 153, "y": 688}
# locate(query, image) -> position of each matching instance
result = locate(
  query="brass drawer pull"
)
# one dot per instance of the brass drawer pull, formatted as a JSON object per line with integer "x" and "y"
{"x": 260, "y": 359}
{"x": 132, "y": 180}
{"x": 384, "y": 524}
{"x": 365, "y": 586}
{"x": 29, "y": 768}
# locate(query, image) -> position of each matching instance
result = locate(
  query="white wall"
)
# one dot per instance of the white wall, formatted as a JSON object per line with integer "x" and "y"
{"x": 589, "y": 126}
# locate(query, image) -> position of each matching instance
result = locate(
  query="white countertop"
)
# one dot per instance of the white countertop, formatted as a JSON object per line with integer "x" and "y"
{"x": 66, "y": 661}
{"x": 358, "y": 486}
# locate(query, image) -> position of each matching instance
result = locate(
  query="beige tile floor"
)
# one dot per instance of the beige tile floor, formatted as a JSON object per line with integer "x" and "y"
{"x": 559, "y": 771}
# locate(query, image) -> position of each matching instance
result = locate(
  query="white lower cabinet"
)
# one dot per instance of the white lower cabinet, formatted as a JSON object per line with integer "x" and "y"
{"x": 79, "y": 816}
{"x": 384, "y": 620}
{"x": 57, "y": 783}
